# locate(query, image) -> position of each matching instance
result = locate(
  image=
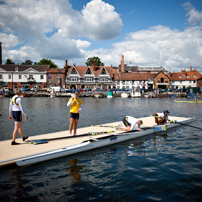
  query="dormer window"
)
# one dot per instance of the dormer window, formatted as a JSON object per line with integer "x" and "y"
{"x": 188, "y": 76}
{"x": 16, "y": 69}
{"x": 195, "y": 76}
{"x": 88, "y": 71}
{"x": 103, "y": 71}
{"x": 180, "y": 77}
{"x": 73, "y": 71}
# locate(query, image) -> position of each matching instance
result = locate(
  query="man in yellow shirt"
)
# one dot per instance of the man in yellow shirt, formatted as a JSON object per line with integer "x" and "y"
{"x": 75, "y": 104}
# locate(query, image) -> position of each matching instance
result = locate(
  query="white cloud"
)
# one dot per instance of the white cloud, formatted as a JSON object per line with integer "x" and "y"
{"x": 158, "y": 46}
{"x": 194, "y": 16}
{"x": 52, "y": 27}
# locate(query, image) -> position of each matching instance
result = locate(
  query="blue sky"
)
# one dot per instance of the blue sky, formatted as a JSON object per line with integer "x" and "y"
{"x": 164, "y": 33}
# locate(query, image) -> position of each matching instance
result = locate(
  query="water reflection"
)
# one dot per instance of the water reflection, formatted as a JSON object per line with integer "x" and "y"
{"x": 74, "y": 169}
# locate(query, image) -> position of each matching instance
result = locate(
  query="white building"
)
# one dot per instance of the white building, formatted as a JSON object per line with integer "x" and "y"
{"x": 19, "y": 76}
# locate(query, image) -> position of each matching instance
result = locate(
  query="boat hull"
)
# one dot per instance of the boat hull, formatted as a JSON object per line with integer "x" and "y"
{"x": 94, "y": 144}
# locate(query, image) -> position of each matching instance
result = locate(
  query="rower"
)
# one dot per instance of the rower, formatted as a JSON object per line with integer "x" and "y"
{"x": 161, "y": 118}
{"x": 130, "y": 122}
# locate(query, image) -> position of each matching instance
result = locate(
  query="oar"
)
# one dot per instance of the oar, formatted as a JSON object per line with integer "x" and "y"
{"x": 67, "y": 137}
{"x": 186, "y": 125}
{"x": 104, "y": 126}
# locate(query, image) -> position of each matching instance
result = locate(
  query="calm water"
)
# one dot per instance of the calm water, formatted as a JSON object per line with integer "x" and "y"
{"x": 160, "y": 167}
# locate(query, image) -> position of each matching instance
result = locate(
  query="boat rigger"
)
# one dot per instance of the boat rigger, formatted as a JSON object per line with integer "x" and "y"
{"x": 26, "y": 154}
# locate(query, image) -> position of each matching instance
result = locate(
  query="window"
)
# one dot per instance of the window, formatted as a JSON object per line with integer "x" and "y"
{"x": 31, "y": 76}
{"x": 103, "y": 71}
{"x": 180, "y": 77}
{"x": 88, "y": 71}
{"x": 16, "y": 69}
{"x": 166, "y": 80}
{"x": 1, "y": 76}
{"x": 195, "y": 76}
{"x": 58, "y": 79}
{"x": 73, "y": 79}
{"x": 105, "y": 79}
{"x": 188, "y": 76}
{"x": 42, "y": 77}
{"x": 158, "y": 80}
{"x": 20, "y": 76}
{"x": 88, "y": 79}
{"x": 73, "y": 71}
{"x": 9, "y": 76}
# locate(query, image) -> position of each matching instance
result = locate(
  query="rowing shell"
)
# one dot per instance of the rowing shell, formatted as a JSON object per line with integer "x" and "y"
{"x": 94, "y": 143}
{"x": 189, "y": 101}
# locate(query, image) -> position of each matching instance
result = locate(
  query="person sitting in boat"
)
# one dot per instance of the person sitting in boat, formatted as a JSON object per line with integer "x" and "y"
{"x": 161, "y": 118}
{"x": 130, "y": 122}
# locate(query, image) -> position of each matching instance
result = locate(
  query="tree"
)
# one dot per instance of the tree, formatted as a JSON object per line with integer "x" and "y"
{"x": 89, "y": 61}
{"x": 27, "y": 62}
{"x": 9, "y": 61}
{"x": 46, "y": 61}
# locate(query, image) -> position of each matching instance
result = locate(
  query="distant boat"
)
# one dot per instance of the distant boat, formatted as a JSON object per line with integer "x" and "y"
{"x": 149, "y": 95}
{"x": 191, "y": 95}
{"x": 172, "y": 96}
{"x": 110, "y": 94}
{"x": 124, "y": 95}
{"x": 135, "y": 94}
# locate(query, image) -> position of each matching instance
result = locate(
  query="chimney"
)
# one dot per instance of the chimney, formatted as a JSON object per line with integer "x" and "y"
{"x": 66, "y": 62}
{"x": 122, "y": 63}
{"x": 94, "y": 64}
{"x": 0, "y": 53}
{"x": 191, "y": 69}
{"x": 45, "y": 67}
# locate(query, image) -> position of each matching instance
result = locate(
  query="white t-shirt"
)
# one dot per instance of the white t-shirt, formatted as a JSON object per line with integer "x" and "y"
{"x": 16, "y": 105}
{"x": 161, "y": 115}
{"x": 132, "y": 121}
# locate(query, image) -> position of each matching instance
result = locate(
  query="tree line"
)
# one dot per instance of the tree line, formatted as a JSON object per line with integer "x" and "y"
{"x": 46, "y": 61}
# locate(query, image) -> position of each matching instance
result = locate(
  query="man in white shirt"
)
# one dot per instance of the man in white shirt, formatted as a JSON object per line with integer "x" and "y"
{"x": 130, "y": 123}
{"x": 161, "y": 118}
{"x": 15, "y": 111}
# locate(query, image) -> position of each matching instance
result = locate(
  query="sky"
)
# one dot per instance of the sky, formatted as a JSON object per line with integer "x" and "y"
{"x": 166, "y": 33}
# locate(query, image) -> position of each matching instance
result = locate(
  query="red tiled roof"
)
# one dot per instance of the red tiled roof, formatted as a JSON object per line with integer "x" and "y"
{"x": 185, "y": 75}
{"x": 134, "y": 76}
{"x": 56, "y": 70}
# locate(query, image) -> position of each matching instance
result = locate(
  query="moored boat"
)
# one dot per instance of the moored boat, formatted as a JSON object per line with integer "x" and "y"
{"x": 124, "y": 95}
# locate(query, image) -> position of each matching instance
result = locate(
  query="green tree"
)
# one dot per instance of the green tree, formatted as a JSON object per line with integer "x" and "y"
{"x": 27, "y": 62}
{"x": 9, "y": 61}
{"x": 46, "y": 61}
{"x": 89, "y": 61}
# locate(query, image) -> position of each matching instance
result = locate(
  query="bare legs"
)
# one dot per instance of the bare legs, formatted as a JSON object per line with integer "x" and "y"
{"x": 18, "y": 128}
{"x": 73, "y": 122}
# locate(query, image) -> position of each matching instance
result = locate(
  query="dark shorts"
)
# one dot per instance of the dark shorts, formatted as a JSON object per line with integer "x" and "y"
{"x": 74, "y": 115}
{"x": 125, "y": 122}
{"x": 17, "y": 116}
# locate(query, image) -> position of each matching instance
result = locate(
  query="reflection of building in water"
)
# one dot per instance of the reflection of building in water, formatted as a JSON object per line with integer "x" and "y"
{"x": 17, "y": 187}
{"x": 74, "y": 169}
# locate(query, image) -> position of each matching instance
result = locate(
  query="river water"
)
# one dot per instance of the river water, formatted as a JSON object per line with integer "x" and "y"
{"x": 160, "y": 167}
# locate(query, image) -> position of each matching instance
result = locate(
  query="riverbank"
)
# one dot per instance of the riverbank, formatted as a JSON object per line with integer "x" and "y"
{"x": 92, "y": 94}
